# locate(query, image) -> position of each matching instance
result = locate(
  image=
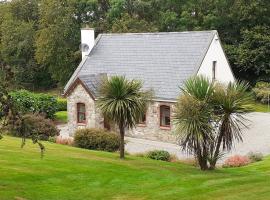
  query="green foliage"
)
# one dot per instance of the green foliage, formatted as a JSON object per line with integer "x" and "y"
{"x": 28, "y": 102}
{"x": 159, "y": 155}
{"x": 123, "y": 102}
{"x": 262, "y": 92}
{"x": 209, "y": 118}
{"x": 97, "y": 139}
{"x": 255, "y": 156}
{"x": 35, "y": 126}
{"x": 40, "y": 39}
{"x": 57, "y": 39}
{"x": 61, "y": 104}
{"x": 61, "y": 117}
{"x": 17, "y": 37}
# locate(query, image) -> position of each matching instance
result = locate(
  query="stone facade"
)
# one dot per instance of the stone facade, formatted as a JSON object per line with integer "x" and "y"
{"x": 93, "y": 118}
{"x": 150, "y": 130}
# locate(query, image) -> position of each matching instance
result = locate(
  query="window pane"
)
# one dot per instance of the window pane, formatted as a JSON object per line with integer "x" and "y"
{"x": 81, "y": 117}
{"x": 81, "y": 107}
{"x": 81, "y": 113}
{"x": 165, "y": 119}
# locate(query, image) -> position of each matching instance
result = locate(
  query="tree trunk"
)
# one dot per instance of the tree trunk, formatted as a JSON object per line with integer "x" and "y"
{"x": 217, "y": 149}
{"x": 122, "y": 141}
{"x": 202, "y": 160}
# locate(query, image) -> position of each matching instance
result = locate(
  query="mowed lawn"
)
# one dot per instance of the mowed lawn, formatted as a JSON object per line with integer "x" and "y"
{"x": 72, "y": 173}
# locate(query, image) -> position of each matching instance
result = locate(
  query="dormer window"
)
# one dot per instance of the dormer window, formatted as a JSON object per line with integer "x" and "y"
{"x": 81, "y": 115}
{"x": 214, "y": 66}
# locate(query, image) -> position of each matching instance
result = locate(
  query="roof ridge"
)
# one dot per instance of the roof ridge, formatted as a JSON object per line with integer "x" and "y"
{"x": 158, "y": 33}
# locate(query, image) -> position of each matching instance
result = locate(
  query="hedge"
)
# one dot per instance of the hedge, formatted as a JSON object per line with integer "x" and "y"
{"x": 29, "y": 102}
{"x": 97, "y": 139}
{"x": 262, "y": 91}
{"x": 61, "y": 104}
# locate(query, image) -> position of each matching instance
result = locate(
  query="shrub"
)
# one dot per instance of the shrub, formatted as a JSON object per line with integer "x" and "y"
{"x": 255, "y": 156}
{"x": 262, "y": 91}
{"x": 97, "y": 139}
{"x": 159, "y": 155}
{"x": 35, "y": 126}
{"x": 28, "y": 102}
{"x": 236, "y": 161}
{"x": 52, "y": 139}
{"x": 61, "y": 104}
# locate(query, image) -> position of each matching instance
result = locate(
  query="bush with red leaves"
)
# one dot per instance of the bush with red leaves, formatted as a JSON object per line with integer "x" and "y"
{"x": 236, "y": 161}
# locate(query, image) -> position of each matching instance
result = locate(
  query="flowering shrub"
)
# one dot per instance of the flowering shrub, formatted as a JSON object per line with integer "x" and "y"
{"x": 64, "y": 140}
{"x": 236, "y": 161}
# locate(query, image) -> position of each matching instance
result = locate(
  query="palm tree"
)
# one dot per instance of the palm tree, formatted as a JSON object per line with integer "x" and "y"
{"x": 231, "y": 103}
{"x": 192, "y": 118}
{"x": 123, "y": 102}
{"x": 210, "y": 116}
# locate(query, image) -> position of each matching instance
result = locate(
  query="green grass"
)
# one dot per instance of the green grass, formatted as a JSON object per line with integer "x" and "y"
{"x": 61, "y": 117}
{"x": 259, "y": 107}
{"x": 72, "y": 173}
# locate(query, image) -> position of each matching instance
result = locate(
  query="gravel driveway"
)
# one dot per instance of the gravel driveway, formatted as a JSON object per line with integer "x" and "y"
{"x": 256, "y": 139}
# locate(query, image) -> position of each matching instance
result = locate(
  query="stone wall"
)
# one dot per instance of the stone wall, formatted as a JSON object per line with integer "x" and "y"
{"x": 93, "y": 117}
{"x": 150, "y": 130}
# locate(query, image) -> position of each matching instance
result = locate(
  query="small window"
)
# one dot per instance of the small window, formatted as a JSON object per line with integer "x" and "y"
{"x": 214, "y": 70}
{"x": 165, "y": 116}
{"x": 81, "y": 117}
{"x": 143, "y": 119}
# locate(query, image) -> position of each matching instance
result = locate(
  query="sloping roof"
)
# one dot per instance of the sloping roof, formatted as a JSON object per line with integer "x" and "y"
{"x": 163, "y": 61}
{"x": 92, "y": 82}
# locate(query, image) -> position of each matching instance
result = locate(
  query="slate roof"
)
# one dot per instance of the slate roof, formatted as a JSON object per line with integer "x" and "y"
{"x": 92, "y": 82}
{"x": 163, "y": 61}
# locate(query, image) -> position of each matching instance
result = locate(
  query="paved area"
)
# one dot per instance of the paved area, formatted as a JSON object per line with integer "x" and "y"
{"x": 256, "y": 139}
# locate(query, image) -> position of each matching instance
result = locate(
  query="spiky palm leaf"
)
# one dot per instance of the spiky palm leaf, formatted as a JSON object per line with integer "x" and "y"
{"x": 193, "y": 118}
{"x": 123, "y": 102}
{"x": 232, "y": 102}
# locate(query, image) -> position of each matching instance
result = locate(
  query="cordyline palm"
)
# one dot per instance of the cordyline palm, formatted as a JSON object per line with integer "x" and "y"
{"x": 123, "y": 102}
{"x": 231, "y": 103}
{"x": 193, "y": 116}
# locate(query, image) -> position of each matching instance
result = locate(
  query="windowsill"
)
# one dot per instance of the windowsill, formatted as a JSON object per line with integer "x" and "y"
{"x": 81, "y": 124}
{"x": 165, "y": 127}
{"x": 141, "y": 125}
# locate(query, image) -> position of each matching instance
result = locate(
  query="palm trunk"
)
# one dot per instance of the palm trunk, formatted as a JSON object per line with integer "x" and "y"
{"x": 201, "y": 157}
{"x": 122, "y": 141}
{"x": 217, "y": 149}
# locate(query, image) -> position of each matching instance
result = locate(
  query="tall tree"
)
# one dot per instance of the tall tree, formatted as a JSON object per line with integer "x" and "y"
{"x": 57, "y": 40}
{"x": 18, "y": 26}
{"x": 123, "y": 102}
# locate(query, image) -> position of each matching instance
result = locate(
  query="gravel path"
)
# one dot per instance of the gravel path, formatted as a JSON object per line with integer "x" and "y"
{"x": 256, "y": 139}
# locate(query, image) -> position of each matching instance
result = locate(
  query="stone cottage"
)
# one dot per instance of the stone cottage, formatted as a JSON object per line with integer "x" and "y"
{"x": 163, "y": 61}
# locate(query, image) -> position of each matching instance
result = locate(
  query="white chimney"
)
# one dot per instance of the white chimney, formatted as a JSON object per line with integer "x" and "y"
{"x": 87, "y": 40}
